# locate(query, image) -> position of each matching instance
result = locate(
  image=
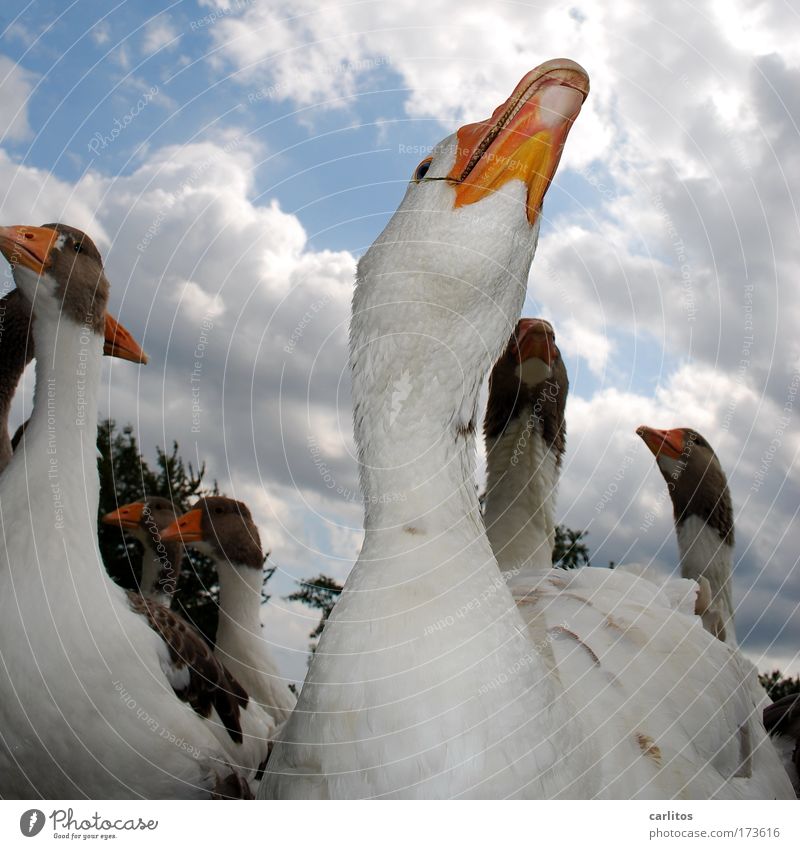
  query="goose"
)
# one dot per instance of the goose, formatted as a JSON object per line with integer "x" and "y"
{"x": 223, "y": 529}
{"x": 145, "y": 521}
{"x": 525, "y": 435}
{"x": 782, "y": 721}
{"x": 15, "y": 354}
{"x": 669, "y": 711}
{"x": 703, "y": 511}
{"x": 16, "y": 351}
{"x": 423, "y": 684}
{"x": 704, "y": 526}
{"x": 103, "y": 694}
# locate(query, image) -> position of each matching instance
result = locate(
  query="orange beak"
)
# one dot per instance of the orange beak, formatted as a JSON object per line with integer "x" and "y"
{"x": 666, "y": 442}
{"x": 127, "y": 517}
{"x": 188, "y": 528}
{"x": 28, "y": 246}
{"x": 524, "y": 138}
{"x": 120, "y": 343}
{"x": 535, "y": 338}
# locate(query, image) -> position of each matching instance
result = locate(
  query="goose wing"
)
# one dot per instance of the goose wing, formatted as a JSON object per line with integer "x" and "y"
{"x": 672, "y": 711}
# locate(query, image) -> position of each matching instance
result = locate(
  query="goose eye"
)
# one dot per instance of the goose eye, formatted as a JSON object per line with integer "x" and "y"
{"x": 77, "y": 246}
{"x": 219, "y": 511}
{"x": 422, "y": 168}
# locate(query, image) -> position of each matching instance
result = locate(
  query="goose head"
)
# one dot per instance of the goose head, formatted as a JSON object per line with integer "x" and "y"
{"x": 442, "y": 287}
{"x": 144, "y": 520}
{"x": 59, "y": 271}
{"x": 529, "y": 379}
{"x": 222, "y": 529}
{"x": 695, "y": 478}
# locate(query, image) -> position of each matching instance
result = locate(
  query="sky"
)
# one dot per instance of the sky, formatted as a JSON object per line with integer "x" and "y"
{"x": 234, "y": 159}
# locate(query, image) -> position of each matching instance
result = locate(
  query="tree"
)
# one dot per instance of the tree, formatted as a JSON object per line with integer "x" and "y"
{"x": 125, "y": 476}
{"x": 569, "y": 551}
{"x": 320, "y": 593}
{"x": 777, "y": 686}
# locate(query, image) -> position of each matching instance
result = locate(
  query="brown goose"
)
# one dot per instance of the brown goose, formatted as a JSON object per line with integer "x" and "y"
{"x": 102, "y": 694}
{"x": 782, "y": 721}
{"x": 597, "y": 626}
{"x": 703, "y": 511}
{"x": 145, "y": 521}
{"x": 525, "y": 433}
{"x": 16, "y": 351}
{"x": 223, "y": 529}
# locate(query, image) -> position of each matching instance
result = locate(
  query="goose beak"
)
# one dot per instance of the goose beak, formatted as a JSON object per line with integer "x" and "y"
{"x": 524, "y": 137}
{"x": 535, "y": 339}
{"x": 668, "y": 443}
{"x": 120, "y": 343}
{"x": 188, "y": 528}
{"x": 28, "y": 246}
{"x": 127, "y": 517}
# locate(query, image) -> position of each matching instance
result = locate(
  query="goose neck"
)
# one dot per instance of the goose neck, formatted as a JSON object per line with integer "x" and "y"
{"x": 239, "y": 597}
{"x": 520, "y": 498}
{"x": 704, "y": 553}
{"x": 63, "y": 424}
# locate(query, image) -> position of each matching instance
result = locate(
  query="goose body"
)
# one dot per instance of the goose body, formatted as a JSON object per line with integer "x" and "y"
{"x": 223, "y": 529}
{"x": 423, "y": 684}
{"x": 669, "y": 711}
{"x": 96, "y": 696}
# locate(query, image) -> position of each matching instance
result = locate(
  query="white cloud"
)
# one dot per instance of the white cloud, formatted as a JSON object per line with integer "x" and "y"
{"x": 678, "y": 242}
{"x": 16, "y": 85}
{"x": 687, "y": 144}
{"x": 158, "y": 34}
{"x": 101, "y": 33}
{"x": 577, "y": 340}
{"x": 122, "y": 57}
{"x": 611, "y": 486}
{"x": 227, "y": 292}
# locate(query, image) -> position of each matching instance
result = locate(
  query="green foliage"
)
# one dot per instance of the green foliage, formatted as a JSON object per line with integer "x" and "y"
{"x": 125, "y": 476}
{"x": 777, "y": 686}
{"x": 569, "y": 551}
{"x": 320, "y": 593}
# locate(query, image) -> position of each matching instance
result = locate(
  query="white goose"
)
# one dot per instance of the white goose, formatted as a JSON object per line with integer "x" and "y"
{"x": 102, "y": 694}
{"x": 423, "y": 684}
{"x": 670, "y": 711}
{"x": 223, "y": 529}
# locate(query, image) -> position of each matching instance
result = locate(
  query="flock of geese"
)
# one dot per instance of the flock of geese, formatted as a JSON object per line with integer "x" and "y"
{"x": 457, "y": 662}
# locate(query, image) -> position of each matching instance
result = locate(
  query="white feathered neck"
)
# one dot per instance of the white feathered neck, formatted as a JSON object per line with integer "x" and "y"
{"x": 241, "y": 644}
{"x": 519, "y": 508}
{"x": 424, "y": 676}
{"x": 704, "y": 553}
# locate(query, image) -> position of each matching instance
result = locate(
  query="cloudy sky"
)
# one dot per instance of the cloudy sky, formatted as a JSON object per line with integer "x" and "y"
{"x": 233, "y": 160}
